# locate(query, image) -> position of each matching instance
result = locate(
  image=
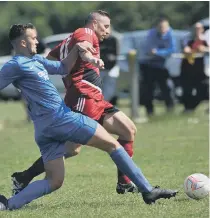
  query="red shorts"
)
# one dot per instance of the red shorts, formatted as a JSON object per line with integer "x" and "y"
{"x": 95, "y": 109}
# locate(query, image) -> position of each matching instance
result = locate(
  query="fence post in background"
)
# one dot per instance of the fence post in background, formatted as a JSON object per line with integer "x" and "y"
{"x": 134, "y": 85}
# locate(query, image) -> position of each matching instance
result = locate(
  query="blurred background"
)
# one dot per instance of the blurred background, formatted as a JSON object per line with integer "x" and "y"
{"x": 131, "y": 24}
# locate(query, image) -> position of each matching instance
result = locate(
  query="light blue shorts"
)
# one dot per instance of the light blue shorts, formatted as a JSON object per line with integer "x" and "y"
{"x": 51, "y": 134}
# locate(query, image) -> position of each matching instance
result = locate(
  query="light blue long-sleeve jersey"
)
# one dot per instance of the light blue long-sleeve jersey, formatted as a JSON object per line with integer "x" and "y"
{"x": 30, "y": 76}
{"x": 164, "y": 44}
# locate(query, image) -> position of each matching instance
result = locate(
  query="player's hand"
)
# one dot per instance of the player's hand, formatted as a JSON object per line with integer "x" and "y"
{"x": 187, "y": 50}
{"x": 152, "y": 52}
{"x": 85, "y": 46}
{"x": 98, "y": 63}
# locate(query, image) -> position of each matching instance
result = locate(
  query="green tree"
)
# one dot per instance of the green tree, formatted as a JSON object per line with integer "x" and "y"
{"x": 52, "y": 17}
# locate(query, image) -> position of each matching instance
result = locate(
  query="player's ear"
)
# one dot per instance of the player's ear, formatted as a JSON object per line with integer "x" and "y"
{"x": 23, "y": 42}
{"x": 95, "y": 23}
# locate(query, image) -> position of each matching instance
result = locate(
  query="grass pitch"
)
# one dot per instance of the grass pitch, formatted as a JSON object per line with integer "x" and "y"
{"x": 168, "y": 148}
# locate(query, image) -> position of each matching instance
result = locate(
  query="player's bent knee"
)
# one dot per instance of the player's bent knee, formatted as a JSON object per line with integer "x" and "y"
{"x": 110, "y": 147}
{"x": 72, "y": 153}
{"x": 72, "y": 149}
{"x": 103, "y": 140}
{"x": 76, "y": 151}
{"x": 104, "y": 145}
{"x": 55, "y": 173}
{"x": 131, "y": 132}
{"x": 56, "y": 184}
{"x": 132, "y": 126}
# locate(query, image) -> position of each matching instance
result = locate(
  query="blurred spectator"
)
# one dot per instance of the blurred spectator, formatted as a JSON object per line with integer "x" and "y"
{"x": 109, "y": 50}
{"x": 159, "y": 45}
{"x": 207, "y": 37}
{"x": 193, "y": 78}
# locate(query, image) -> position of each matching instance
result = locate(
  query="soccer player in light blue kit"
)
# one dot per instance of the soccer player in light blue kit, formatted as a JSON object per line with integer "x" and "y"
{"x": 55, "y": 123}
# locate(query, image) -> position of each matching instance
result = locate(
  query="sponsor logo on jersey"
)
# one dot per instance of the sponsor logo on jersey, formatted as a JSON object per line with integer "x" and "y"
{"x": 44, "y": 75}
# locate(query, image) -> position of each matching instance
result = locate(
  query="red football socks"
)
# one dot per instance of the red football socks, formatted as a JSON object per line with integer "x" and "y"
{"x": 128, "y": 146}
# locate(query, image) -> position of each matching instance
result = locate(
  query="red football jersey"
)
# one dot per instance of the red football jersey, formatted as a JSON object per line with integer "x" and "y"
{"x": 84, "y": 75}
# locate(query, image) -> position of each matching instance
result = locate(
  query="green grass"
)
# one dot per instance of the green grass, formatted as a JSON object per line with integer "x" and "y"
{"x": 168, "y": 148}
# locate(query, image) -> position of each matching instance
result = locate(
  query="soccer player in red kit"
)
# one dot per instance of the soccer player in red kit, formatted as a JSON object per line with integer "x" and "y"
{"x": 83, "y": 94}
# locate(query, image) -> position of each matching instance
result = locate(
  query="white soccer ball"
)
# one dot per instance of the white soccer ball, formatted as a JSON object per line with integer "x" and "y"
{"x": 2, "y": 207}
{"x": 197, "y": 186}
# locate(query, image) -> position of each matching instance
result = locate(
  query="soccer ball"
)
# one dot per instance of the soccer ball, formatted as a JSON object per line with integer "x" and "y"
{"x": 197, "y": 186}
{"x": 2, "y": 207}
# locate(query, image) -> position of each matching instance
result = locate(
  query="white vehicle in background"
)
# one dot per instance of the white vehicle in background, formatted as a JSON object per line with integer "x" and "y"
{"x": 136, "y": 40}
{"x": 53, "y": 40}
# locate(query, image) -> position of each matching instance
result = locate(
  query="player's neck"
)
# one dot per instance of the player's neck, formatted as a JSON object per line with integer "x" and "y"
{"x": 23, "y": 53}
{"x": 89, "y": 26}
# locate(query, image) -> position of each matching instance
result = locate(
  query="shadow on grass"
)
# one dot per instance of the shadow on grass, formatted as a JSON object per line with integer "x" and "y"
{"x": 170, "y": 116}
{"x": 77, "y": 204}
{"x": 16, "y": 124}
{"x": 95, "y": 204}
{"x": 182, "y": 199}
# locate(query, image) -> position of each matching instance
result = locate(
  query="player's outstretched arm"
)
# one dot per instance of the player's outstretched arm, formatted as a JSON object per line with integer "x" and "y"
{"x": 88, "y": 57}
{"x": 71, "y": 59}
{"x": 65, "y": 66}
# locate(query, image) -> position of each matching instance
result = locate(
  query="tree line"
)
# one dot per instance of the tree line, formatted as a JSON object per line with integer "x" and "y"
{"x": 53, "y": 17}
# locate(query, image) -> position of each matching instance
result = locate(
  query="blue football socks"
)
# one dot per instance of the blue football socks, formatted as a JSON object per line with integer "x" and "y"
{"x": 33, "y": 191}
{"x": 129, "y": 168}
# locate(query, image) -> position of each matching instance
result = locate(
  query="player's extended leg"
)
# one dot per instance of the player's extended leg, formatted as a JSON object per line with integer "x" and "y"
{"x": 53, "y": 181}
{"x": 104, "y": 141}
{"x": 21, "y": 179}
{"x": 119, "y": 124}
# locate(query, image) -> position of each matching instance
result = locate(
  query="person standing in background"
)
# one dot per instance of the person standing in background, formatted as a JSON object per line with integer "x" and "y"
{"x": 192, "y": 69}
{"x": 160, "y": 44}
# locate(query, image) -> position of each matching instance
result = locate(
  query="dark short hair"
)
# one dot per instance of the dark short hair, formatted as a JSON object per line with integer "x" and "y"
{"x": 18, "y": 30}
{"x": 162, "y": 19}
{"x": 101, "y": 12}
